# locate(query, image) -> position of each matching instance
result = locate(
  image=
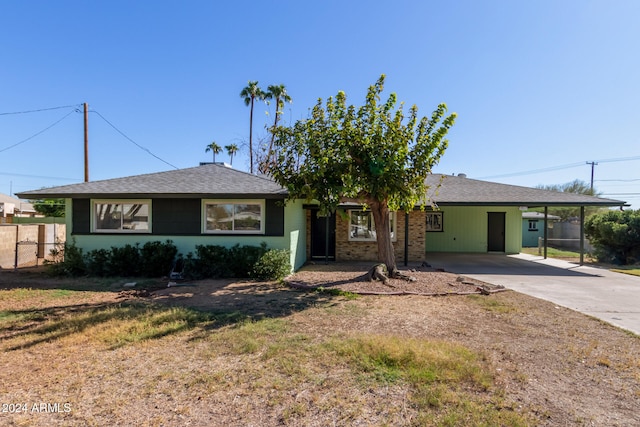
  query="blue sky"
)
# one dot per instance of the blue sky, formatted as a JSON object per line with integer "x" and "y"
{"x": 539, "y": 86}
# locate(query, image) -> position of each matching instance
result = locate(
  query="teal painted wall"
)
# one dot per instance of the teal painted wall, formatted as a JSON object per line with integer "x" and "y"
{"x": 466, "y": 229}
{"x": 530, "y": 237}
{"x": 294, "y": 237}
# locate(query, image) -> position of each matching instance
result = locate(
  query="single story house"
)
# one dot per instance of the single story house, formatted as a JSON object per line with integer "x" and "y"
{"x": 11, "y": 207}
{"x": 533, "y": 227}
{"x": 215, "y": 204}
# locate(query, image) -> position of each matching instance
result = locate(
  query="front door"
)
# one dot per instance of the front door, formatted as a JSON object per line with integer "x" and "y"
{"x": 319, "y": 236}
{"x": 496, "y": 227}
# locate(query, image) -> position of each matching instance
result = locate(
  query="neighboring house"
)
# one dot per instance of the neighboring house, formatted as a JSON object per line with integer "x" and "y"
{"x": 11, "y": 207}
{"x": 533, "y": 227}
{"x": 214, "y": 204}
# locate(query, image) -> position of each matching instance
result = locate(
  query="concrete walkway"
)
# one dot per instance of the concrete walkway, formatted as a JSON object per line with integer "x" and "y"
{"x": 612, "y": 297}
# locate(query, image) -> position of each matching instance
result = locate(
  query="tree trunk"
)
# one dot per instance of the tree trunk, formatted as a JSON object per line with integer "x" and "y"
{"x": 251, "y": 137}
{"x": 386, "y": 255}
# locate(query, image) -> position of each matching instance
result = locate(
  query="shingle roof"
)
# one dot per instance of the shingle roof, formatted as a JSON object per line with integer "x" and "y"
{"x": 457, "y": 190}
{"x": 214, "y": 180}
{"x": 208, "y": 180}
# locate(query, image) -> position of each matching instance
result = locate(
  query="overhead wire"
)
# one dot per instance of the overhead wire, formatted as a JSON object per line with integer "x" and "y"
{"x": 40, "y": 132}
{"x": 39, "y": 110}
{"x": 534, "y": 171}
{"x": 131, "y": 140}
{"x": 553, "y": 168}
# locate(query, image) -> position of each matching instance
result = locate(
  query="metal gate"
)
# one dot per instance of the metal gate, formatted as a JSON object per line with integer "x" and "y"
{"x": 26, "y": 254}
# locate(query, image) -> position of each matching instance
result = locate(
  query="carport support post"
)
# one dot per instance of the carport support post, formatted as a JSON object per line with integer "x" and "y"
{"x": 546, "y": 211}
{"x": 581, "y": 235}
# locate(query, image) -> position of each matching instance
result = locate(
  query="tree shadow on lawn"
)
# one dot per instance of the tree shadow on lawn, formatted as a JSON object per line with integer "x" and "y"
{"x": 204, "y": 306}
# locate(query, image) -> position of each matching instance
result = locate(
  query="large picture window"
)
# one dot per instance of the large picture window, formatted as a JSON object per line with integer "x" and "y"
{"x": 244, "y": 216}
{"x": 131, "y": 216}
{"x": 362, "y": 226}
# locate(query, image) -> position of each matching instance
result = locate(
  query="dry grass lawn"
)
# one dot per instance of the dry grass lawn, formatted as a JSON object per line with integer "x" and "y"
{"x": 239, "y": 353}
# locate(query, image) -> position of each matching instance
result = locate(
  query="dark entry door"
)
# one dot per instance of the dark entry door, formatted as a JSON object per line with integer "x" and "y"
{"x": 319, "y": 236}
{"x": 496, "y": 225}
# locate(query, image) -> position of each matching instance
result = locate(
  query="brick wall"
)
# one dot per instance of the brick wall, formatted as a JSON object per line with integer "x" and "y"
{"x": 368, "y": 251}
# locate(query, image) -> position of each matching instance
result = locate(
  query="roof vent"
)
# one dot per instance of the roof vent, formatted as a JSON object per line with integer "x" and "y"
{"x": 462, "y": 175}
{"x": 226, "y": 165}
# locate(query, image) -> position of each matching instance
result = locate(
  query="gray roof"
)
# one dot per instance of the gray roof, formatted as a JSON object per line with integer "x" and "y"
{"x": 215, "y": 180}
{"x": 458, "y": 190}
{"x": 538, "y": 215}
{"x": 208, "y": 180}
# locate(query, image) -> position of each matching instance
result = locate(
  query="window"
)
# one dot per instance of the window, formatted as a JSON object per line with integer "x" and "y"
{"x": 362, "y": 226}
{"x": 224, "y": 216}
{"x": 434, "y": 221}
{"x": 130, "y": 216}
{"x": 533, "y": 225}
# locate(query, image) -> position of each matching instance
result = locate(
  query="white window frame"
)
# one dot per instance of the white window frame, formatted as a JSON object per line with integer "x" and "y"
{"x": 94, "y": 216}
{"x": 533, "y": 225}
{"x": 209, "y": 202}
{"x": 392, "y": 219}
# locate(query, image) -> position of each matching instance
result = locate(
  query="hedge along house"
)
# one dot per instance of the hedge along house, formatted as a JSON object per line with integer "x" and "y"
{"x": 211, "y": 204}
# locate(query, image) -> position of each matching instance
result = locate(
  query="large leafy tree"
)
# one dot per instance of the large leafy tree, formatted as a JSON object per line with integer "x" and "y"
{"x": 279, "y": 94}
{"x": 49, "y": 207}
{"x": 377, "y": 155}
{"x": 250, "y": 94}
{"x": 576, "y": 187}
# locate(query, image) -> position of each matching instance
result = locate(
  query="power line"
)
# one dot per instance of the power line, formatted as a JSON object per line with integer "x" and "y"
{"x": 41, "y": 109}
{"x": 131, "y": 140}
{"x": 40, "y": 177}
{"x": 38, "y": 133}
{"x": 567, "y": 166}
{"x": 534, "y": 171}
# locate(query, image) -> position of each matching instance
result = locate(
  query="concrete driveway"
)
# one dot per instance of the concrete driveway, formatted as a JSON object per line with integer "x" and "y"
{"x": 612, "y": 297}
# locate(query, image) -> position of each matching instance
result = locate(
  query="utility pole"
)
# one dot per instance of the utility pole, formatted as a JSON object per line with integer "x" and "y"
{"x": 86, "y": 142}
{"x": 592, "y": 167}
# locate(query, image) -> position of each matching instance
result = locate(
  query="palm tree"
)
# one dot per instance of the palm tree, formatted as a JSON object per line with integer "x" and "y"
{"x": 215, "y": 148}
{"x": 279, "y": 93}
{"x": 232, "y": 149}
{"x": 250, "y": 93}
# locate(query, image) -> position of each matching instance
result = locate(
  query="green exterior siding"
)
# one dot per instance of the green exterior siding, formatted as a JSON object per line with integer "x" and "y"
{"x": 465, "y": 229}
{"x": 285, "y": 231}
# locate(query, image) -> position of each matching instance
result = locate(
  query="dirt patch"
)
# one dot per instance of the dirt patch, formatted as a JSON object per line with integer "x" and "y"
{"x": 424, "y": 281}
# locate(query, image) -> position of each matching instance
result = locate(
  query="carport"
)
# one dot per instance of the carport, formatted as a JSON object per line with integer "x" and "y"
{"x": 473, "y": 199}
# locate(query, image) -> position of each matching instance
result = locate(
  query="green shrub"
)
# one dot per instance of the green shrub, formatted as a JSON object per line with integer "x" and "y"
{"x": 125, "y": 261}
{"x": 210, "y": 262}
{"x": 72, "y": 263}
{"x": 98, "y": 262}
{"x": 156, "y": 258}
{"x": 615, "y": 236}
{"x": 273, "y": 265}
{"x": 241, "y": 259}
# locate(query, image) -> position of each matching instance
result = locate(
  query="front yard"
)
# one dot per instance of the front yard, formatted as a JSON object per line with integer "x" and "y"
{"x": 82, "y": 352}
